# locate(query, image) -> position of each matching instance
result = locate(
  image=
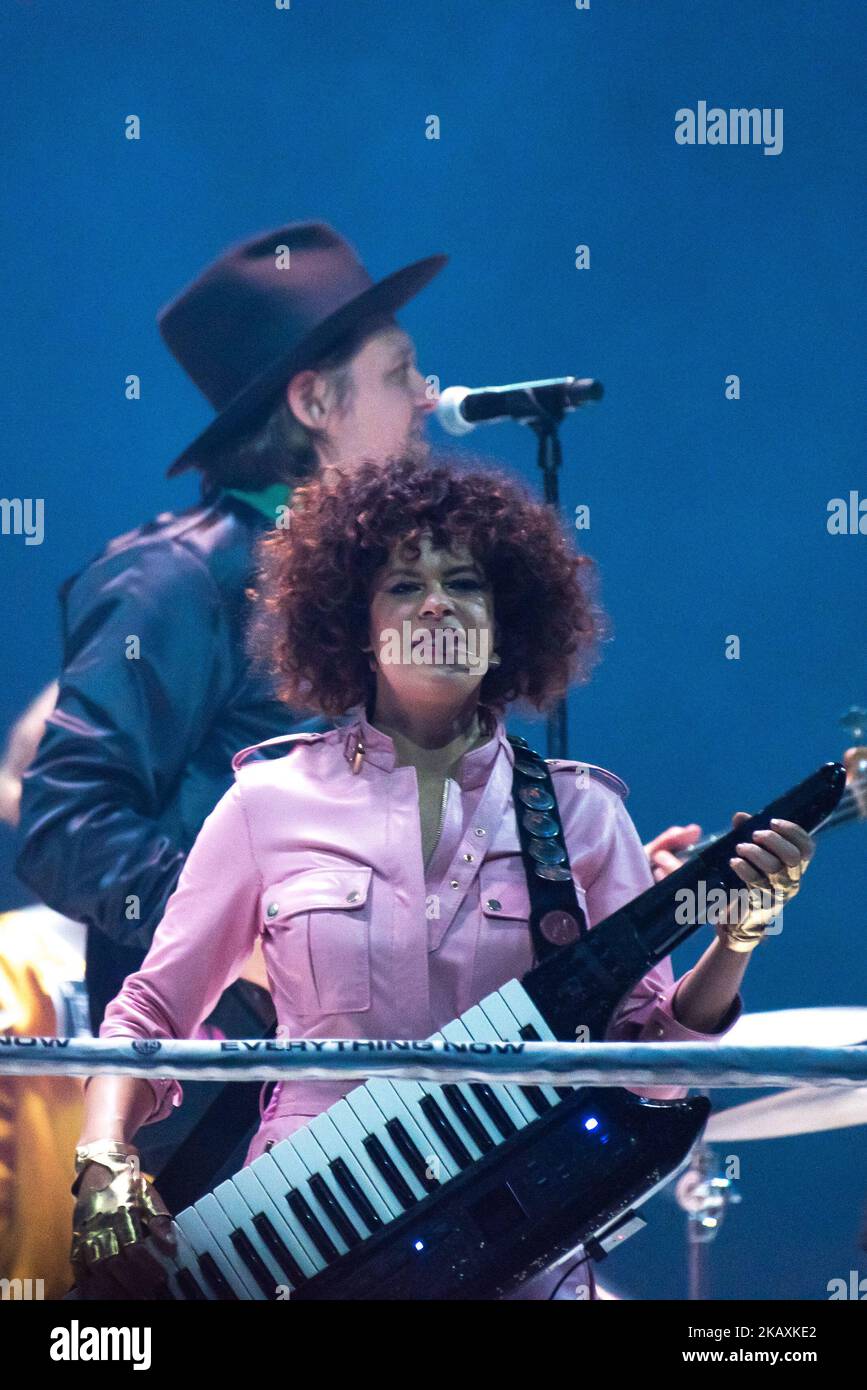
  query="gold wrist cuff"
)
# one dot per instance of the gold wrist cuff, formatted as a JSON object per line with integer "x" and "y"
{"x": 108, "y": 1219}
{"x": 111, "y": 1153}
{"x": 741, "y": 939}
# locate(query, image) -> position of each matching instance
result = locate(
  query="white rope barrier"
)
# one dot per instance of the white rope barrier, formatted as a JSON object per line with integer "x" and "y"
{"x": 353, "y": 1059}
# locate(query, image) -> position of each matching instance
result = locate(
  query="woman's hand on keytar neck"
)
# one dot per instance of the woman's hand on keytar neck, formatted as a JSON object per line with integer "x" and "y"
{"x": 773, "y": 860}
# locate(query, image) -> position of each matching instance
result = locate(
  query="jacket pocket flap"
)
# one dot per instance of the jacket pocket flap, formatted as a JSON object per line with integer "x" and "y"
{"x": 504, "y": 897}
{"x": 343, "y": 889}
{"x": 509, "y": 897}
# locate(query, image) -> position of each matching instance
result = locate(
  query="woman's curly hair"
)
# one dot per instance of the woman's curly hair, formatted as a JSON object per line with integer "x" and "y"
{"x": 316, "y": 570}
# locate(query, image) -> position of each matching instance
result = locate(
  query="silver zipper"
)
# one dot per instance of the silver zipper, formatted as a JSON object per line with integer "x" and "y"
{"x": 442, "y": 811}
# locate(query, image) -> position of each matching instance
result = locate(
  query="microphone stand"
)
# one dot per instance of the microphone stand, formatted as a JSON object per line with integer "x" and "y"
{"x": 549, "y": 457}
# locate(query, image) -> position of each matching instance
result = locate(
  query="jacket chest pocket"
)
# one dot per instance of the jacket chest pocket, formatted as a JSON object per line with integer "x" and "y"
{"x": 316, "y": 930}
{"x": 505, "y": 947}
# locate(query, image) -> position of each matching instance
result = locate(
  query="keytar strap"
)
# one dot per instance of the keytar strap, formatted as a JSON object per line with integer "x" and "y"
{"x": 556, "y": 918}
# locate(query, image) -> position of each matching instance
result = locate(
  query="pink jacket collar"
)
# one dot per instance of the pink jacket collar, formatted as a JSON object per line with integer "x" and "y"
{"x": 377, "y": 749}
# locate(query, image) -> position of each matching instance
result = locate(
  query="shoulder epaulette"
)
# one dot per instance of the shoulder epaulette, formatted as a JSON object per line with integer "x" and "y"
{"x": 242, "y": 755}
{"x": 600, "y": 774}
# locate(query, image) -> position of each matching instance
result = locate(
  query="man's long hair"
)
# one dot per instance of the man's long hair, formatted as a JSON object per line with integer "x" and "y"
{"x": 274, "y": 446}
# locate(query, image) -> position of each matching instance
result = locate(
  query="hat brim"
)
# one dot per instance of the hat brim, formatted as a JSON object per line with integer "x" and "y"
{"x": 381, "y": 298}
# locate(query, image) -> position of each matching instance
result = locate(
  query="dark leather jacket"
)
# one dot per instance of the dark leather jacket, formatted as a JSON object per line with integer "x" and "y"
{"x": 156, "y": 695}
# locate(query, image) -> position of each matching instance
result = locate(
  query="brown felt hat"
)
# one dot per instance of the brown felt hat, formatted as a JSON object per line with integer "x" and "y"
{"x": 265, "y": 309}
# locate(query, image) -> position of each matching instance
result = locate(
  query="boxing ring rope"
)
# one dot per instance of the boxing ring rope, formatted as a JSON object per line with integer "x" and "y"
{"x": 527, "y": 1063}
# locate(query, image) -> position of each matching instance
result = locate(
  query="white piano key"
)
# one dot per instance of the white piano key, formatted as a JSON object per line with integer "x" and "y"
{"x": 259, "y": 1200}
{"x": 480, "y": 1029}
{"x": 289, "y": 1160}
{"x": 330, "y": 1139}
{"x": 433, "y": 1088}
{"x": 240, "y": 1216}
{"x": 214, "y": 1217}
{"x": 506, "y": 1019}
{"x": 410, "y": 1094}
{"x": 353, "y": 1133}
{"x": 184, "y": 1258}
{"x": 316, "y": 1161}
{"x": 503, "y": 1024}
{"x": 518, "y": 1000}
{"x": 273, "y": 1182}
{"x": 457, "y": 1032}
{"x": 204, "y": 1243}
{"x": 374, "y": 1118}
{"x": 525, "y": 1011}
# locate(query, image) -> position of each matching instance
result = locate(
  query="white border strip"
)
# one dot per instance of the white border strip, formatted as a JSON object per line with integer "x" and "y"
{"x": 334, "y": 1059}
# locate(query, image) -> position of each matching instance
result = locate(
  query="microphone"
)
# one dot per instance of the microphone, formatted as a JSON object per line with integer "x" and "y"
{"x": 460, "y": 409}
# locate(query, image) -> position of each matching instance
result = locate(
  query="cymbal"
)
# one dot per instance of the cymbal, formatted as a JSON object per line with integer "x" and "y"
{"x": 838, "y": 1026}
{"x": 803, "y": 1109}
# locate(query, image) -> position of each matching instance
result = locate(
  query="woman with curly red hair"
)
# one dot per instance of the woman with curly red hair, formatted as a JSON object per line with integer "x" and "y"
{"x": 316, "y": 591}
{"x": 379, "y": 864}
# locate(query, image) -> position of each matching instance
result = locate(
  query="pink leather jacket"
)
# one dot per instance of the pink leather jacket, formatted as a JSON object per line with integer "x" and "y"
{"x": 324, "y": 864}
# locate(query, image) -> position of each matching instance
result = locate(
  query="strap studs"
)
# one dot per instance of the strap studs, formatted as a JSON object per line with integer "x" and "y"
{"x": 546, "y": 851}
{"x": 530, "y": 770}
{"x": 560, "y": 928}
{"x": 554, "y": 873}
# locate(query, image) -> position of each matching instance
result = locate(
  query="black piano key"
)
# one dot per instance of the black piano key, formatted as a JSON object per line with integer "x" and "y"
{"x": 214, "y": 1275}
{"x": 275, "y": 1247}
{"x": 344, "y": 1178}
{"x": 497, "y": 1112}
{"x": 541, "y": 1104}
{"x": 253, "y": 1260}
{"x": 468, "y": 1118}
{"x": 320, "y": 1237}
{"x": 411, "y": 1156}
{"x": 529, "y": 1034}
{"x": 189, "y": 1288}
{"x": 333, "y": 1210}
{"x": 452, "y": 1140}
{"x": 378, "y": 1155}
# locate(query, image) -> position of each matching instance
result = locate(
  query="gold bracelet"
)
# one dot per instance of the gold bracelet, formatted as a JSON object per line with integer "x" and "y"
{"x": 108, "y": 1219}
{"x": 741, "y": 939}
{"x": 111, "y": 1153}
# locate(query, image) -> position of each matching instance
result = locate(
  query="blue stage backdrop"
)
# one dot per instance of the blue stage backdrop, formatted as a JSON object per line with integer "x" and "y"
{"x": 570, "y": 160}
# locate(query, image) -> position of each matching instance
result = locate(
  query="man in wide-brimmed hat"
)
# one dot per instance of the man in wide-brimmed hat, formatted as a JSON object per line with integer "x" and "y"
{"x": 300, "y": 355}
{"x": 298, "y": 351}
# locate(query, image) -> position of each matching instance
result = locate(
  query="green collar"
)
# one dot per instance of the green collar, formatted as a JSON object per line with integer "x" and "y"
{"x": 267, "y": 501}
